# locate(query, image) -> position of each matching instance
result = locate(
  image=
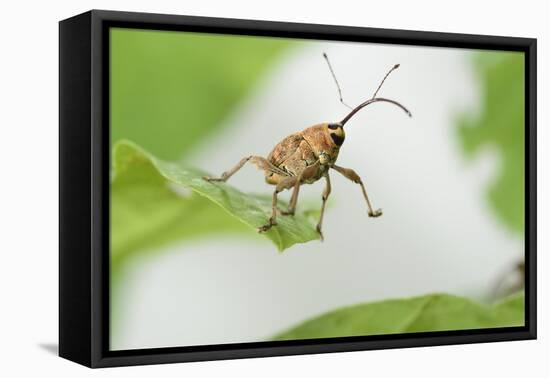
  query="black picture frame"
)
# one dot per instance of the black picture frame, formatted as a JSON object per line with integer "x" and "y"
{"x": 84, "y": 187}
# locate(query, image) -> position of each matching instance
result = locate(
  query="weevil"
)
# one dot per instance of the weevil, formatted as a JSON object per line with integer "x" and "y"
{"x": 307, "y": 156}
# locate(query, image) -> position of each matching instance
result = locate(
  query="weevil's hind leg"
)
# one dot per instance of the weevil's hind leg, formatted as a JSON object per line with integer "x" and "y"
{"x": 351, "y": 175}
{"x": 294, "y": 198}
{"x": 306, "y": 174}
{"x": 285, "y": 183}
{"x": 326, "y": 193}
{"x": 227, "y": 174}
{"x": 259, "y": 161}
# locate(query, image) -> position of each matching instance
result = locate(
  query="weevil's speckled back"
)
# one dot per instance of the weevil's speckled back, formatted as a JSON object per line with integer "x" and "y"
{"x": 300, "y": 150}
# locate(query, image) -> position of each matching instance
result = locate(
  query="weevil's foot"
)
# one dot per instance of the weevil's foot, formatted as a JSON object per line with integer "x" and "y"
{"x": 320, "y": 233}
{"x": 213, "y": 179}
{"x": 291, "y": 213}
{"x": 267, "y": 227}
{"x": 376, "y": 213}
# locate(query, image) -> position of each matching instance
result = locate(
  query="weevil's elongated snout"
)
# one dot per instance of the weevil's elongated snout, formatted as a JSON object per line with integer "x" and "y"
{"x": 371, "y": 101}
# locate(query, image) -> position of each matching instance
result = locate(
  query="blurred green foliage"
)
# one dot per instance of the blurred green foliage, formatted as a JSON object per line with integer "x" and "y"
{"x": 169, "y": 90}
{"x": 147, "y": 212}
{"x": 435, "y": 312}
{"x": 501, "y": 125}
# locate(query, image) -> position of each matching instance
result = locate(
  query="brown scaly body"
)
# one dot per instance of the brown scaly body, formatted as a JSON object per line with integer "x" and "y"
{"x": 304, "y": 158}
{"x": 300, "y": 150}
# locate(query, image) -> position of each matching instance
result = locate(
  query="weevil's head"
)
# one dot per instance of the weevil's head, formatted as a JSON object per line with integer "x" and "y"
{"x": 325, "y": 140}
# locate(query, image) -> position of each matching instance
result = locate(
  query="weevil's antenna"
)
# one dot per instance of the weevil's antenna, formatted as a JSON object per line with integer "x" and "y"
{"x": 370, "y": 101}
{"x": 376, "y": 99}
{"x": 335, "y": 80}
{"x": 384, "y": 79}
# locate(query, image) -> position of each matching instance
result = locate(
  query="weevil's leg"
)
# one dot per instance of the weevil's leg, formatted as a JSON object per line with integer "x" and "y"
{"x": 293, "y": 198}
{"x": 227, "y": 174}
{"x": 259, "y": 161}
{"x": 286, "y": 183}
{"x": 326, "y": 193}
{"x": 273, "y": 218}
{"x": 307, "y": 173}
{"x": 351, "y": 175}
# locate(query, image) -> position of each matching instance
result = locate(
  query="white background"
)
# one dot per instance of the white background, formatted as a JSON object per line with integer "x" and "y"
{"x": 28, "y": 270}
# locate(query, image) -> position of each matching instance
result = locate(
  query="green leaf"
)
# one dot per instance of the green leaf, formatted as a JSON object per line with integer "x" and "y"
{"x": 147, "y": 213}
{"x": 147, "y": 210}
{"x": 435, "y": 312}
{"x": 170, "y": 90}
{"x": 501, "y": 125}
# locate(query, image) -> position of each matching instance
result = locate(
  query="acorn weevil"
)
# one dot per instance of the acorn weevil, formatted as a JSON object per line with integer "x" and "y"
{"x": 307, "y": 156}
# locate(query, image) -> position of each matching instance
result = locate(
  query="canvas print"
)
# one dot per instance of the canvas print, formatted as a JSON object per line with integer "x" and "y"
{"x": 268, "y": 189}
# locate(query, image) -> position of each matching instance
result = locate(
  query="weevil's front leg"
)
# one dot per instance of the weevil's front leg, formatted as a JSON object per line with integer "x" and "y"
{"x": 351, "y": 175}
{"x": 259, "y": 161}
{"x": 285, "y": 183}
{"x": 326, "y": 193}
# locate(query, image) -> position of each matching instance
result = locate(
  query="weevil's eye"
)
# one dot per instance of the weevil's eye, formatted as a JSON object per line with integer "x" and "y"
{"x": 337, "y": 138}
{"x": 337, "y": 134}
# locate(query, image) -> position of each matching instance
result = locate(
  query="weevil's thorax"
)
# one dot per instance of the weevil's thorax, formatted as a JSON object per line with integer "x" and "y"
{"x": 325, "y": 140}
